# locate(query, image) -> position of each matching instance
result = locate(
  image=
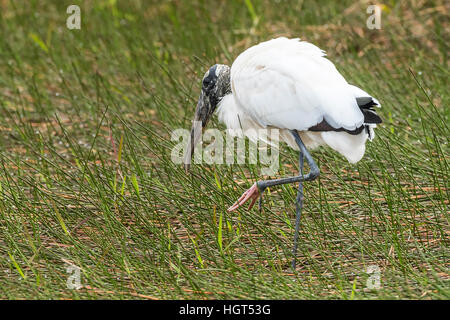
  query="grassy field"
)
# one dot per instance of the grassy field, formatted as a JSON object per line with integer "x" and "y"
{"x": 86, "y": 177}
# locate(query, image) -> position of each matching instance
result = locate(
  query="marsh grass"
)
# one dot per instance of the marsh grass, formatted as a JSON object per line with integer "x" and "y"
{"x": 86, "y": 177}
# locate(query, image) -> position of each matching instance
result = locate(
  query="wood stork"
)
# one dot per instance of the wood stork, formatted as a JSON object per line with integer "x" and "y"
{"x": 289, "y": 85}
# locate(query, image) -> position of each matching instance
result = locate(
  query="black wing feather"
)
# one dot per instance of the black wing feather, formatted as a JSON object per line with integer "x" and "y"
{"x": 366, "y": 104}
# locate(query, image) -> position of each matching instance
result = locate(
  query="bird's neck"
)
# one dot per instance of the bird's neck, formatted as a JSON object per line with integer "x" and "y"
{"x": 224, "y": 83}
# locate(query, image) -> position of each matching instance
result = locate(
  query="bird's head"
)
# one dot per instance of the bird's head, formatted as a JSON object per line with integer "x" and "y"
{"x": 215, "y": 85}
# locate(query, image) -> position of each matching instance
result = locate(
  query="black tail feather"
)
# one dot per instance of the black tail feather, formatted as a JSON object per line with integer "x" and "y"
{"x": 370, "y": 116}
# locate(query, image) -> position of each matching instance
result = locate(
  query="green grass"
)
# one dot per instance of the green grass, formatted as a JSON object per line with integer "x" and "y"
{"x": 86, "y": 176}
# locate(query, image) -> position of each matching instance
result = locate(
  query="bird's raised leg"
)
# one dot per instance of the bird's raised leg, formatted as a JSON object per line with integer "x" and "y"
{"x": 258, "y": 188}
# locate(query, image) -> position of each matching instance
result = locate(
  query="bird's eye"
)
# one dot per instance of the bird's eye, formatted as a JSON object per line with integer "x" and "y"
{"x": 206, "y": 82}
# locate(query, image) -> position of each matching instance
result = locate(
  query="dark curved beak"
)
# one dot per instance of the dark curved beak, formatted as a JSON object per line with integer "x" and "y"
{"x": 201, "y": 118}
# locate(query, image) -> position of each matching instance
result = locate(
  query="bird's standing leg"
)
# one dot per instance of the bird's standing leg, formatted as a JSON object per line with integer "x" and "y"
{"x": 258, "y": 188}
{"x": 298, "y": 212}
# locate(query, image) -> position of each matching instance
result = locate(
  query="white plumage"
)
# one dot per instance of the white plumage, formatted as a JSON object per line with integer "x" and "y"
{"x": 288, "y": 84}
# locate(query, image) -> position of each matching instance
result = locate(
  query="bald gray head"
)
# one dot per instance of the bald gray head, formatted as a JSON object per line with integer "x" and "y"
{"x": 215, "y": 86}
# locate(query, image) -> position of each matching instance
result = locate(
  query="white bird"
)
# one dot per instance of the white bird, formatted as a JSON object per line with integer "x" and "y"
{"x": 289, "y": 85}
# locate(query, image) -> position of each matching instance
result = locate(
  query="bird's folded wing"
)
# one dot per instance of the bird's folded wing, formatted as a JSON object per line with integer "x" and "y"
{"x": 289, "y": 84}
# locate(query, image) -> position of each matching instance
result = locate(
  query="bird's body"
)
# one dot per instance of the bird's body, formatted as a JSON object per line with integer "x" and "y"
{"x": 288, "y": 84}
